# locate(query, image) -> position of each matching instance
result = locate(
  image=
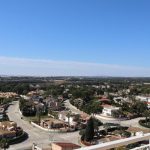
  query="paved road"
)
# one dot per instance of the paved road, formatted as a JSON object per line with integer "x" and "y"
{"x": 36, "y": 135}
{"x": 133, "y": 122}
{"x": 42, "y": 137}
{"x": 72, "y": 108}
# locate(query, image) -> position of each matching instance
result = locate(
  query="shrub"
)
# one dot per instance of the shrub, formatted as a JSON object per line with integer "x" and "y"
{"x": 144, "y": 123}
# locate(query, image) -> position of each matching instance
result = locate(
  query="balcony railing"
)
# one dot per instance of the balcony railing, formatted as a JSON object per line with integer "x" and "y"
{"x": 144, "y": 147}
{"x": 119, "y": 143}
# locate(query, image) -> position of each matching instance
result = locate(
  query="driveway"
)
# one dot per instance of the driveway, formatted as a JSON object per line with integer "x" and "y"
{"x": 36, "y": 135}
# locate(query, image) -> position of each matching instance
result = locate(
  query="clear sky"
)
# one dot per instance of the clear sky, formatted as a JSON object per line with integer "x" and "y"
{"x": 75, "y": 37}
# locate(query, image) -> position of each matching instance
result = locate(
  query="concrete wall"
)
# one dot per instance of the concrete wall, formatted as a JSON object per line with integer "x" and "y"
{"x": 45, "y": 129}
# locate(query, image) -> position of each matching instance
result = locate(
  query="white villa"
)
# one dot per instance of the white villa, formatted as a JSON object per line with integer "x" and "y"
{"x": 64, "y": 116}
{"x": 144, "y": 99}
{"x": 108, "y": 109}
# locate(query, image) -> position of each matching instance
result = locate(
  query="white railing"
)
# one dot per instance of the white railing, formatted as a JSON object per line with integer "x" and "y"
{"x": 144, "y": 147}
{"x": 118, "y": 143}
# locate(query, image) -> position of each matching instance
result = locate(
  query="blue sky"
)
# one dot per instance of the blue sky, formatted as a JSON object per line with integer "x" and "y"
{"x": 96, "y": 32}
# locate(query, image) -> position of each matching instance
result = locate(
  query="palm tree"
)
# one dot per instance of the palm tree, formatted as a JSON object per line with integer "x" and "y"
{"x": 146, "y": 115}
{"x": 68, "y": 115}
{"x": 4, "y": 143}
{"x": 38, "y": 114}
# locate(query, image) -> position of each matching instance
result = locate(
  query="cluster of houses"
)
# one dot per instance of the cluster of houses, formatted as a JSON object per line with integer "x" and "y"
{"x": 8, "y": 95}
{"x": 110, "y": 106}
{"x": 63, "y": 119}
{"x": 34, "y": 101}
{"x": 9, "y": 129}
{"x": 4, "y": 103}
{"x": 66, "y": 121}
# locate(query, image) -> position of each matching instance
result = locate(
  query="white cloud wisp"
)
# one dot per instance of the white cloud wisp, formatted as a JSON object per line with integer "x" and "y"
{"x": 41, "y": 67}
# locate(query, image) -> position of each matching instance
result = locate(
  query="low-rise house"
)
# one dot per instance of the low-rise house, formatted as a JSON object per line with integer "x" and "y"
{"x": 120, "y": 100}
{"x": 8, "y": 125}
{"x": 7, "y": 134}
{"x": 67, "y": 117}
{"x": 31, "y": 93}
{"x": 135, "y": 131}
{"x": 144, "y": 99}
{"x": 25, "y": 97}
{"x": 37, "y": 92}
{"x": 52, "y": 123}
{"x": 64, "y": 146}
{"x": 55, "y": 106}
{"x": 8, "y": 95}
{"x": 9, "y": 129}
{"x": 104, "y": 100}
{"x": 109, "y": 109}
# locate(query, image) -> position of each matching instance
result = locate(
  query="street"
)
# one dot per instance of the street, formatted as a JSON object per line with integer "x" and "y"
{"x": 36, "y": 135}
{"x": 132, "y": 122}
{"x": 44, "y": 138}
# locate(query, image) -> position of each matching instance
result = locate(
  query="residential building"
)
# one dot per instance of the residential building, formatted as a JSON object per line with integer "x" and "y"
{"x": 52, "y": 123}
{"x": 144, "y": 99}
{"x": 64, "y": 146}
{"x": 120, "y": 100}
{"x": 108, "y": 110}
{"x": 104, "y": 100}
{"x": 9, "y": 129}
{"x": 135, "y": 131}
{"x": 68, "y": 118}
{"x": 8, "y": 95}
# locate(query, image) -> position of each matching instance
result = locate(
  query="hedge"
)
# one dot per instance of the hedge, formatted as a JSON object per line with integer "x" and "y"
{"x": 143, "y": 123}
{"x": 18, "y": 139}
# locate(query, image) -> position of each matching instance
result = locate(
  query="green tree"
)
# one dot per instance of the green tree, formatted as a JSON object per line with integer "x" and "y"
{"x": 146, "y": 114}
{"x": 139, "y": 107}
{"x": 22, "y": 104}
{"x": 96, "y": 108}
{"x": 117, "y": 113}
{"x": 89, "y": 131}
{"x": 4, "y": 143}
{"x": 38, "y": 114}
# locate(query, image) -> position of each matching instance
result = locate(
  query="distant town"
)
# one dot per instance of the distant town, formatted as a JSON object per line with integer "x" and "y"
{"x": 66, "y": 113}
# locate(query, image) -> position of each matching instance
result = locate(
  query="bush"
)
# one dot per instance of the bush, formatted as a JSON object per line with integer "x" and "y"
{"x": 126, "y": 134}
{"x": 82, "y": 137}
{"x": 130, "y": 146}
{"x": 82, "y": 132}
{"x": 143, "y": 123}
{"x": 18, "y": 139}
{"x": 102, "y": 133}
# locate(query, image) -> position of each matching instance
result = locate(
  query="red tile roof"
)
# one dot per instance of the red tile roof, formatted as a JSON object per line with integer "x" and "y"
{"x": 67, "y": 145}
{"x": 104, "y": 99}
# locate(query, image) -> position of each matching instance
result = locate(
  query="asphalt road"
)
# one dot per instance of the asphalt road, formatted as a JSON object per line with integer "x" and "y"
{"x": 72, "y": 108}
{"x": 132, "y": 122}
{"x": 44, "y": 138}
{"x": 36, "y": 135}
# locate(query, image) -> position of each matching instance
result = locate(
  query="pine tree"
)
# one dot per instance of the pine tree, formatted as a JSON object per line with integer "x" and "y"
{"x": 89, "y": 131}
